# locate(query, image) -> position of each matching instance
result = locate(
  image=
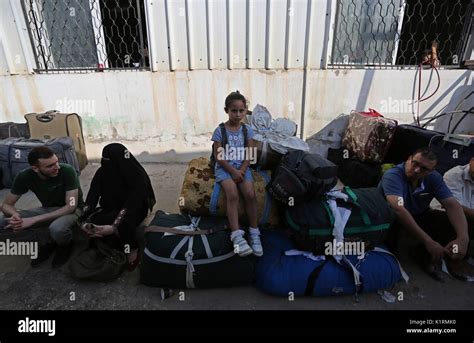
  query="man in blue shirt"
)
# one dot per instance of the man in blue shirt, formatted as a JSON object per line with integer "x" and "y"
{"x": 409, "y": 188}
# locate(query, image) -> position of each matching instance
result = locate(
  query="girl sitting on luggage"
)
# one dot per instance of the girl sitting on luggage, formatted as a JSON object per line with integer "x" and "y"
{"x": 124, "y": 193}
{"x": 233, "y": 173}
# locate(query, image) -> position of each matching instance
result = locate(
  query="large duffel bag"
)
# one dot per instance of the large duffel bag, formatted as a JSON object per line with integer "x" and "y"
{"x": 14, "y": 155}
{"x": 369, "y": 221}
{"x": 407, "y": 139}
{"x": 452, "y": 150}
{"x": 53, "y": 124}
{"x": 282, "y": 271}
{"x": 202, "y": 196}
{"x": 178, "y": 256}
{"x": 302, "y": 176}
{"x": 352, "y": 172}
{"x": 369, "y": 135}
{"x": 14, "y": 130}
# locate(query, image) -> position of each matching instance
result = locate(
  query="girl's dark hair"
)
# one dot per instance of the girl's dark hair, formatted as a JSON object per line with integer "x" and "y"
{"x": 232, "y": 97}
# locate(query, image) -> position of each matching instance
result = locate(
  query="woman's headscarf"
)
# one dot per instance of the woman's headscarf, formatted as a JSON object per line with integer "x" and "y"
{"x": 120, "y": 181}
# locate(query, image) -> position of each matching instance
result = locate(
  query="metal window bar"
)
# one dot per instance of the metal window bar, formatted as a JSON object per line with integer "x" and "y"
{"x": 398, "y": 33}
{"x": 85, "y": 35}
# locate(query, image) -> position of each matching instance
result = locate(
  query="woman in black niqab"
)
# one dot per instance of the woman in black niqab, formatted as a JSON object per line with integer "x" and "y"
{"x": 123, "y": 191}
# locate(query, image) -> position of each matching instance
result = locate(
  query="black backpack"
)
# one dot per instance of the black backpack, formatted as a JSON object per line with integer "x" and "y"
{"x": 355, "y": 173}
{"x": 224, "y": 142}
{"x": 302, "y": 176}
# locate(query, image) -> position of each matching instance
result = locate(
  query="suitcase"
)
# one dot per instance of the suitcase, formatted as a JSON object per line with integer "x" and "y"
{"x": 407, "y": 139}
{"x": 10, "y": 129}
{"x": 369, "y": 135}
{"x": 14, "y": 155}
{"x": 452, "y": 150}
{"x": 53, "y": 124}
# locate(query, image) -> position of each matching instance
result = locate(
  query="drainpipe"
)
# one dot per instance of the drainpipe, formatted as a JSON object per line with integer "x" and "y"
{"x": 305, "y": 67}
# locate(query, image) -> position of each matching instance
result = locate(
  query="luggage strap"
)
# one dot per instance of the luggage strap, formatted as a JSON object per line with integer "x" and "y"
{"x": 155, "y": 228}
{"x": 353, "y": 197}
{"x": 188, "y": 262}
{"x": 312, "y": 278}
{"x": 363, "y": 213}
{"x": 263, "y": 156}
{"x": 404, "y": 274}
{"x": 185, "y": 230}
{"x": 189, "y": 231}
{"x": 224, "y": 140}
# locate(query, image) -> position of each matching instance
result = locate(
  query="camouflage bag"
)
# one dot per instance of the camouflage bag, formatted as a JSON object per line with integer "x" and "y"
{"x": 369, "y": 135}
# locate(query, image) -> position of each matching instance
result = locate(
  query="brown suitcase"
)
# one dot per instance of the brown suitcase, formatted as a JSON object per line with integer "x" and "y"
{"x": 200, "y": 198}
{"x": 369, "y": 135}
{"x": 53, "y": 124}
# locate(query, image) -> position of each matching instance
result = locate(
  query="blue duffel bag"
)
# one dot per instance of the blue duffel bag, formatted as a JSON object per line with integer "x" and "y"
{"x": 280, "y": 274}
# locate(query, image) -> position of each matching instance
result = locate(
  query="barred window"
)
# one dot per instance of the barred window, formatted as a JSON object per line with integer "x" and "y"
{"x": 88, "y": 34}
{"x": 400, "y": 32}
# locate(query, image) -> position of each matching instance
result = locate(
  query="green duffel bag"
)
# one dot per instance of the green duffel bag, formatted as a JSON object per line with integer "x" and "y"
{"x": 312, "y": 222}
{"x": 192, "y": 252}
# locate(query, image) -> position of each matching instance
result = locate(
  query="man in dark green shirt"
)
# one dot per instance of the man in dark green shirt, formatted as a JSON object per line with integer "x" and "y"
{"x": 57, "y": 187}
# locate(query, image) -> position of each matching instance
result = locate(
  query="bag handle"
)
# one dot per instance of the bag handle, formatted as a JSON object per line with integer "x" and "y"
{"x": 329, "y": 212}
{"x": 456, "y": 139}
{"x": 155, "y": 228}
{"x": 363, "y": 213}
{"x": 450, "y": 138}
{"x": 371, "y": 113}
{"x": 44, "y": 118}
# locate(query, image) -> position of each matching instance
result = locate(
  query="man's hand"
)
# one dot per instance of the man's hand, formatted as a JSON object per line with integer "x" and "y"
{"x": 436, "y": 250}
{"x": 457, "y": 249}
{"x": 19, "y": 224}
